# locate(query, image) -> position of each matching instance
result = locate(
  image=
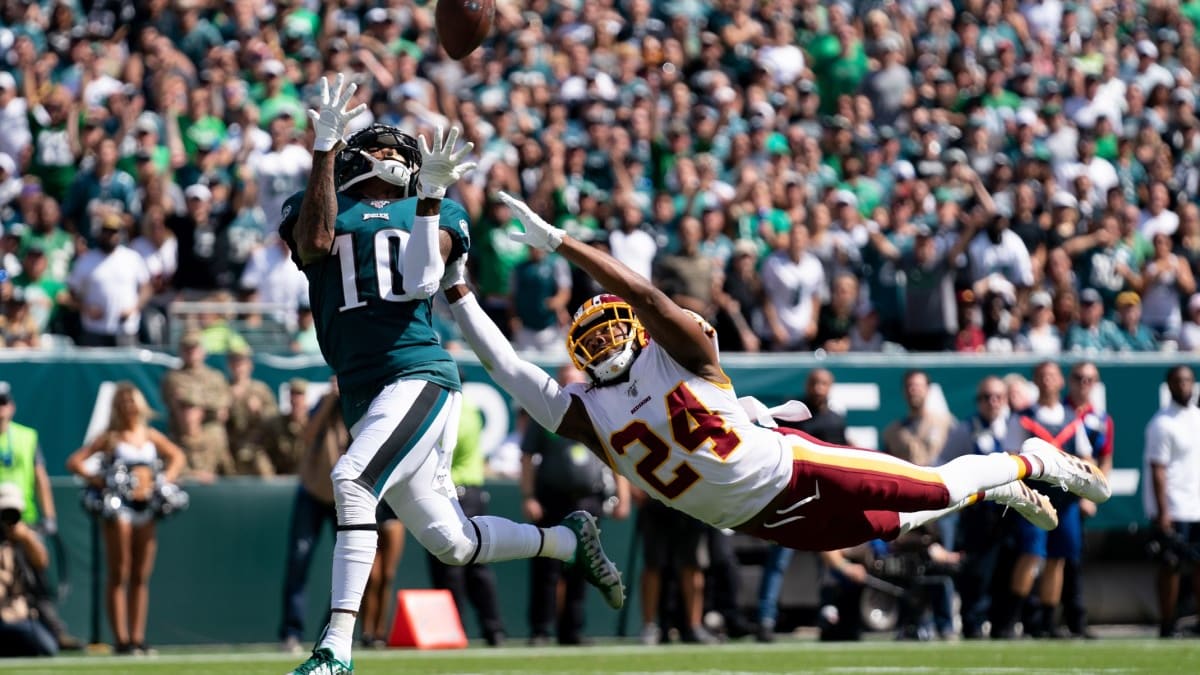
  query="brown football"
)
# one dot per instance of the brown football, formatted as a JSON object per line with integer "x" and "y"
{"x": 463, "y": 24}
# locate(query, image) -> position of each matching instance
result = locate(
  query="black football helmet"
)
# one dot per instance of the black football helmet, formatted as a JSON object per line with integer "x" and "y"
{"x": 351, "y": 167}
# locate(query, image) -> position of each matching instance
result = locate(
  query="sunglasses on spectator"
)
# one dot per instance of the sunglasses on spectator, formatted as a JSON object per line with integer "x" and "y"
{"x": 988, "y": 396}
{"x": 1084, "y": 379}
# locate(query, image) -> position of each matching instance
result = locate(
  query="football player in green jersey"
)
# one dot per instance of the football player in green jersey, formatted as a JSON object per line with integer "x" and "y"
{"x": 373, "y": 233}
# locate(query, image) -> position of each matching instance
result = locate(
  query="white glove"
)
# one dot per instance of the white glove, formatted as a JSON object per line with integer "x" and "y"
{"x": 538, "y": 233}
{"x": 440, "y": 167}
{"x": 456, "y": 273}
{"x": 331, "y": 117}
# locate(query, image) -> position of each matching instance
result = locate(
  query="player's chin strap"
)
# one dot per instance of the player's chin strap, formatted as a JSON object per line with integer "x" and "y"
{"x": 760, "y": 414}
{"x": 393, "y": 171}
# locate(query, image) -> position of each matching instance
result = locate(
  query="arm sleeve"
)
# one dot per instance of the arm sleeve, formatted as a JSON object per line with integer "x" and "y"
{"x": 532, "y": 388}
{"x": 423, "y": 264}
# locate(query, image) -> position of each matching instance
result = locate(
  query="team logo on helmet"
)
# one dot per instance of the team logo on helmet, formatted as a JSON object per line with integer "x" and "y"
{"x": 605, "y": 337}
{"x": 351, "y": 167}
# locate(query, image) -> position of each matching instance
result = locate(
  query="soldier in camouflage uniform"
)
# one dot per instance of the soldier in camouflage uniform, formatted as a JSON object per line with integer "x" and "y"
{"x": 194, "y": 374}
{"x": 204, "y": 443}
{"x": 284, "y": 439}
{"x": 252, "y": 407}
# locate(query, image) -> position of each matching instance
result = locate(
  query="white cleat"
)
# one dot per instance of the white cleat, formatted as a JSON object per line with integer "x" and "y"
{"x": 1067, "y": 471}
{"x": 1031, "y": 504}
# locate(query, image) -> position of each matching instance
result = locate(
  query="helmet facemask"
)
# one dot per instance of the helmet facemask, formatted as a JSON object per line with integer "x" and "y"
{"x": 605, "y": 338}
{"x": 357, "y": 162}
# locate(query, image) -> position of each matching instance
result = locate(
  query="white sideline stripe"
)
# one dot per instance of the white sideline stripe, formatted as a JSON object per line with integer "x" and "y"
{"x": 58, "y": 664}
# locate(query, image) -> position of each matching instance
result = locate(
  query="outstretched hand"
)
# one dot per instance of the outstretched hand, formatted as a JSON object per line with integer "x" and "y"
{"x": 442, "y": 165}
{"x": 331, "y": 116}
{"x": 538, "y": 233}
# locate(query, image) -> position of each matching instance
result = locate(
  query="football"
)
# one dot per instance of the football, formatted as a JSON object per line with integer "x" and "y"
{"x": 463, "y": 24}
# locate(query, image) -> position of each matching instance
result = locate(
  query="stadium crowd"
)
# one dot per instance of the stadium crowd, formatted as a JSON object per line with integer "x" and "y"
{"x": 983, "y": 175}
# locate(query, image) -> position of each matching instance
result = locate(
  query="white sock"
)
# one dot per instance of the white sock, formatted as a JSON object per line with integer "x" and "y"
{"x": 353, "y": 555}
{"x": 502, "y": 539}
{"x": 964, "y": 476}
{"x": 339, "y": 635}
{"x": 915, "y": 519}
{"x": 560, "y": 543}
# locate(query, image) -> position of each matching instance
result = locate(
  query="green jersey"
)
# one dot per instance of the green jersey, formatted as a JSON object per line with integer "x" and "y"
{"x": 368, "y": 335}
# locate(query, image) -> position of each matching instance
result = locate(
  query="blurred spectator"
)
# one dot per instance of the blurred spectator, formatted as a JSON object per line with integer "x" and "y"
{"x": 541, "y": 288}
{"x": 1108, "y": 266}
{"x": 824, "y": 425}
{"x": 688, "y": 276}
{"x": 101, "y": 190}
{"x": 740, "y": 298}
{"x": 1189, "y": 334}
{"x": 43, "y": 294}
{"x": 793, "y": 284}
{"x": 837, "y": 317}
{"x": 1092, "y": 332}
{"x": 325, "y": 438}
{"x": 843, "y": 577}
{"x": 1134, "y": 336}
{"x": 20, "y": 548}
{"x": 194, "y": 376}
{"x": 1039, "y": 334}
{"x": 631, "y": 243}
{"x": 982, "y": 529}
{"x": 1074, "y": 426}
{"x": 558, "y": 477}
{"x": 930, "y": 320}
{"x": 18, "y": 328}
{"x": 304, "y": 338}
{"x": 473, "y": 583}
{"x": 251, "y": 407}
{"x": 1172, "y": 456}
{"x": 44, "y": 220}
{"x": 109, "y": 284}
{"x": 271, "y": 276}
{"x": 54, "y": 124}
{"x": 205, "y": 251}
{"x": 673, "y": 549}
{"x": 864, "y": 334}
{"x": 919, "y": 436}
{"x": 13, "y": 118}
{"x": 21, "y": 464}
{"x": 284, "y": 438}
{"x": 283, "y": 170}
{"x": 1167, "y": 279}
{"x": 147, "y": 458}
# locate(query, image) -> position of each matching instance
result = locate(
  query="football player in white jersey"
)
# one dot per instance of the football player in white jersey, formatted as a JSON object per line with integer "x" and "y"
{"x": 659, "y": 410}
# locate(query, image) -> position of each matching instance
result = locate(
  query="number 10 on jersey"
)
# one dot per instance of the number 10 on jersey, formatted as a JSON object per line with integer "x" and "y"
{"x": 388, "y": 251}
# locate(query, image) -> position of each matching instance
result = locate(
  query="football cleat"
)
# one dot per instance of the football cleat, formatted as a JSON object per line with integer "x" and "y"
{"x": 1067, "y": 471}
{"x": 322, "y": 662}
{"x": 590, "y": 558}
{"x": 1031, "y": 504}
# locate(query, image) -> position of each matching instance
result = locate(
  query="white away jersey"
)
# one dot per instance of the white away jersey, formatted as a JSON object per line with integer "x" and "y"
{"x": 687, "y": 441}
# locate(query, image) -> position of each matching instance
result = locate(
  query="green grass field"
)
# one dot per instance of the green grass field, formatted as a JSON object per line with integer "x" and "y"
{"x": 986, "y": 658}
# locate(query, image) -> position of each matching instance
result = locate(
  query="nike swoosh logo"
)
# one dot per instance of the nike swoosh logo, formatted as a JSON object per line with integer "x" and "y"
{"x": 812, "y": 498}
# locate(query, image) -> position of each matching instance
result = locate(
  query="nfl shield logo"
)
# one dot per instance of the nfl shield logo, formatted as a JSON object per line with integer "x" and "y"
{"x": 632, "y": 390}
{"x": 378, "y": 203}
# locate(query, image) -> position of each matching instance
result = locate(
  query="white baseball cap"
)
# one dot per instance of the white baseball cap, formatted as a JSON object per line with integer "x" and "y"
{"x": 198, "y": 191}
